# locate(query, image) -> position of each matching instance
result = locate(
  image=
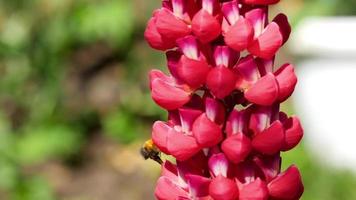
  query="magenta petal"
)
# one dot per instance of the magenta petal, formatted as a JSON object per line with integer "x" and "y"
{"x": 173, "y": 58}
{"x": 268, "y": 43}
{"x": 221, "y": 81}
{"x": 230, "y": 11}
{"x": 269, "y": 165}
{"x": 287, "y": 80}
{"x": 264, "y": 92}
{"x": 160, "y": 132}
{"x": 169, "y": 170}
{"x": 236, "y": 147}
{"x": 218, "y": 164}
{"x": 168, "y": 96}
{"x": 287, "y": 185}
{"x": 206, "y": 132}
{"x": 256, "y": 190}
{"x": 193, "y": 72}
{"x": 214, "y": 110}
{"x": 261, "y": 2}
{"x": 257, "y": 18}
{"x": 282, "y": 21}
{"x": 222, "y": 188}
{"x": 187, "y": 118}
{"x": 181, "y": 146}
{"x": 198, "y": 185}
{"x": 225, "y": 56}
{"x": 155, "y": 39}
{"x": 236, "y": 122}
{"x": 166, "y": 189}
{"x": 260, "y": 118}
{"x": 240, "y": 35}
{"x": 171, "y": 26}
{"x": 293, "y": 133}
{"x": 247, "y": 71}
{"x": 205, "y": 26}
{"x": 189, "y": 46}
{"x": 270, "y": 140}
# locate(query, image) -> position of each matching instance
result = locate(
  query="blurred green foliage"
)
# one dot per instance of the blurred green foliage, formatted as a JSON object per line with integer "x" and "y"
{"x": 73, "y": 69}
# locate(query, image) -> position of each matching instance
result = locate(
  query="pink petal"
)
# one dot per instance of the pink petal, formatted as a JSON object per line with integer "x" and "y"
{"x": 265, "y": 66}
{"x": 221, "y": 81}
{"x": 205, "y": 26}
{"x": 222, "y": 188}
{"x": 269, "y": 165}
{"x": 224, "y": 56}
{"x": 169, "y": 170}
{"x": 171, "y": 26}
{"x": 198, "y": 185}
{"x": 261, "y": 2}
{"x": 269, "y": 141}
{"x": 218, "y": 165}
{"x": 155, "y": 39}
{"x": 181, "y": 146}
{"x": 287, "y": 80}
{"x": 256, "y": 190}
{"x": 187, "y": 118}
{"x": 214, "y": 110}
{"x": 166, "y": 189}
{"x": 260, "y": 118}
{"x": 206, "y": 132}
{"x": 240, "y": 35}
{"x": 167, "y": 96}
{"x": 264, "y": 92}
{"x": 160, "y": 132}
{"x": 287, "y": 185}
{"x": 282, "y": 21}
{"x": 268, "y": 43}
{"x": 257, "y": 17}
{"x": 247, "y": 71}
{"x": 230, "y": 11}
{"x": 189, "y": 46}
{"x": 294, "y": 133}
{"x": 193, "y": 72}
{"x": 236, "y": 147}
{"x": 236, "y": 122}
{"x": 173, "y": 58}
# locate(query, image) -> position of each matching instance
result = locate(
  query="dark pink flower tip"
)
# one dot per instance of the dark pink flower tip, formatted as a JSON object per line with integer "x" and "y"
{"x": 282, "y": 21}
{"x": 264, "y": 92}
{"x": 269, "y": 165}
{"x": 270, "y": 140}
{"x": 287, "y": 185}
{"x": 166, "y": 189}
{"x": 173, "y": 58}
{"x": 236, "y": 147}
{"x": 214, "y": 110}
{"x": 169, "y": 170}
{"x": 240, "y": 35}
{"x": 206, "y": 132}
{"x": 218, "y": 165}
{"x": 181, "y": 146}
{"x": 256, "y": 190}
{"x": 205, "y": 26}
{"x": 293, "y": 133}
{"x": 287, "y": 80}
{"x": 155, "y": 39}
{"x": 268, "y": 43}
{"x": 248, "y": 72}
{"x": 225, "y": 56}
{"x": 261, "y": 2}
{"x": 171, "y": 26}
{"x": 222, "y": 188}
{"x": 221, "y": 81}
{"x": 193, "y": 72}
{"x": 236, "y": 122}
{"x": 198, "y": 185}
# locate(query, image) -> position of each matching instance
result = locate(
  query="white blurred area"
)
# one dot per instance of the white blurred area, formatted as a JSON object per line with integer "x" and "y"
{"x": 325, "y": 97}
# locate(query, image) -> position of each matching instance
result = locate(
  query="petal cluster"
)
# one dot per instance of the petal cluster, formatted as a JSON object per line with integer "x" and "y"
{"x": 224, "y": 127}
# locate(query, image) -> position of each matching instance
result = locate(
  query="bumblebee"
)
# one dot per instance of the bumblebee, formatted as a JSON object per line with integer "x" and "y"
{"x": 150, "y": 151}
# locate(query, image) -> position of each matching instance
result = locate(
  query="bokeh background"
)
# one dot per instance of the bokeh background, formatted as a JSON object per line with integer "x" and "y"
{"x": 75, "y": 106}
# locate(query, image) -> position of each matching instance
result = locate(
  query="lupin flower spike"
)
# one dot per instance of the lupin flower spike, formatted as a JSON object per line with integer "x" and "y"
{"x": 224, "y": 127}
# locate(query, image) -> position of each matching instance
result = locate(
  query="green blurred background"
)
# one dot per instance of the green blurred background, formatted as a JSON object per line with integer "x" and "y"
{"x": 75, "y": 106}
